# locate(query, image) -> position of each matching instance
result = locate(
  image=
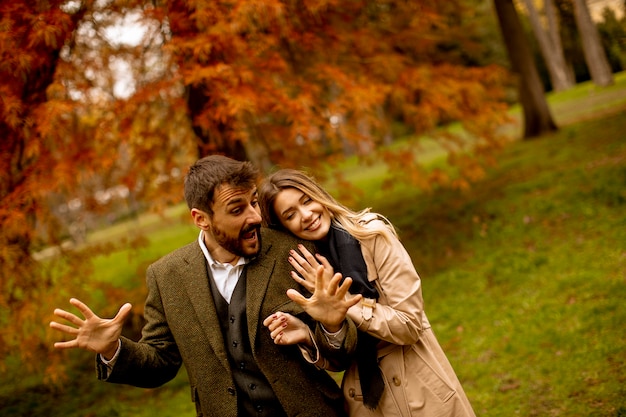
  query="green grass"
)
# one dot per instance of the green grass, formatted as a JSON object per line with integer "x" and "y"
{"x": 524, "y": 278}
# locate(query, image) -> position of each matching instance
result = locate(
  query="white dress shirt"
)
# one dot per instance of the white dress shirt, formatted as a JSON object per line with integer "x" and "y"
{"x": 225, "y": 276}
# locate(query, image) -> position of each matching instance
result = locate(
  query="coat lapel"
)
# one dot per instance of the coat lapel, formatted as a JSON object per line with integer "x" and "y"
{"x": 258, "y": 274}
{"x": 195, "y": 279}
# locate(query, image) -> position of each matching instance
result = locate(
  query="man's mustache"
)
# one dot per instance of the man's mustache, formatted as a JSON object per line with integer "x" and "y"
{"x": 251, "y": 228}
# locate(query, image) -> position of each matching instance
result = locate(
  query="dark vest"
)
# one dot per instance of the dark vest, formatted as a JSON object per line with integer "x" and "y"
{"x": 255, "y": 396}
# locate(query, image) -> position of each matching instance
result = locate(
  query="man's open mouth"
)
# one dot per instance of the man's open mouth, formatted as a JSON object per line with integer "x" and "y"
{"x": 250, "y": 233}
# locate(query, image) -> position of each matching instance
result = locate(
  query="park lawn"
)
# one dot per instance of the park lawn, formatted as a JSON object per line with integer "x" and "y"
{"x": 523, "y": 278}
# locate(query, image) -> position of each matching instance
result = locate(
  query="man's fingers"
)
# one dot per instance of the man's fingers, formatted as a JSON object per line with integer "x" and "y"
{"x": 72, "y": 318}
{"x": 63, "y": 328}
{"x": 123, "y": 313}
{"x": 87, "y": 313}
{"x": 66, "y": 345}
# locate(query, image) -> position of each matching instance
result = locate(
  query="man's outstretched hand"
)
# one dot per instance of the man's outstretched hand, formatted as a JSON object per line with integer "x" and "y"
{"x": 91, "y": 333}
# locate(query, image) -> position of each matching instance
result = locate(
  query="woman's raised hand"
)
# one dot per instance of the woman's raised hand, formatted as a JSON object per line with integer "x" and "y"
{"x": 306, "y": 265}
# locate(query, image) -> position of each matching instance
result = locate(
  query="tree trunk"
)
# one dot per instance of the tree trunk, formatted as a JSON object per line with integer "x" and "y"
{"x": 595, "y": 55}
{"x": 553, "y": 57}
{"x": 554, "y": 34}
{"x": 211, "y": 141}
{"x": 537, "y": 115}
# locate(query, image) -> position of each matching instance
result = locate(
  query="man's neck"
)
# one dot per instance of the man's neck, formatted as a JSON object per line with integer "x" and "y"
{"x": 218, "y": 253}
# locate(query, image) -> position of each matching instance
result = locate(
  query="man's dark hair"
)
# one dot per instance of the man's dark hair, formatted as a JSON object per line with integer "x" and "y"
{"x": 209, "y": 173}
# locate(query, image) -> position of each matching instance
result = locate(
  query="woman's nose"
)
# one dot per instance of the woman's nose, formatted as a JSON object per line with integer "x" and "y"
{"x": 306, "y": 214}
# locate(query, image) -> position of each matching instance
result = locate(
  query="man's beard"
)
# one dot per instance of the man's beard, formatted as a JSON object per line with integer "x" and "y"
{"x": 235, "y": 245}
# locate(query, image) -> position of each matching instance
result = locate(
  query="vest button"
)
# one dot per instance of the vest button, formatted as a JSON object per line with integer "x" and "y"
{"x": 231, "y": 390}
{"x": 396, "y": 381}
{"x": 232, "y": 319}
{"x": 235, "y": 343}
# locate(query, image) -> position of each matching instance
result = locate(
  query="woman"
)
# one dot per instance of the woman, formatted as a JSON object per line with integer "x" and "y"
{"x": 413, "y": 376}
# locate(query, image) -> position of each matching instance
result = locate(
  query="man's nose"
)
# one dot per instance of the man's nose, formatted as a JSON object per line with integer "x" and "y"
{"x": 254, "y": 214}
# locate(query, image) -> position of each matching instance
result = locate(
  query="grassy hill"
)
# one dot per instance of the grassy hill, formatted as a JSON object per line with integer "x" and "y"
{"x": 524, "y": 278}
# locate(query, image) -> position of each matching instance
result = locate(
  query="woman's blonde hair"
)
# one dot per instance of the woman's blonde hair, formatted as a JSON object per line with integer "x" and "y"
{"x": 351, "y": 221}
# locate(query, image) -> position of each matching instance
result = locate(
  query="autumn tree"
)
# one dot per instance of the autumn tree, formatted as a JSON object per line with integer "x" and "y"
{"x": 537, "y": 116}
{"x": 66, "y": 138}
{"x": 290, "y": 83}
{"x": 32, "y": 36}
{"x": 267, "y": 77}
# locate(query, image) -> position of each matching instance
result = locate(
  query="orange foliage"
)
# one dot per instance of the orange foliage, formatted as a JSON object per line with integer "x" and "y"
{"x": 273, "y": 73}
{"x": 291, "y": 83}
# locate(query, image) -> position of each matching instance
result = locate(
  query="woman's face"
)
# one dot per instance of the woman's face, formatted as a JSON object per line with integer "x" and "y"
{"x": 302, "y": 216}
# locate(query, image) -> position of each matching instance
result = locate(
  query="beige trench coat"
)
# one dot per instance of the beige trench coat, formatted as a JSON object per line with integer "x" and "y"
{"x": 419, "y": 380}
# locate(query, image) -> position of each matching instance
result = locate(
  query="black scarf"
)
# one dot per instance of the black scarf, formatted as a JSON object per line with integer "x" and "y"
{"x": 343, "y": 252}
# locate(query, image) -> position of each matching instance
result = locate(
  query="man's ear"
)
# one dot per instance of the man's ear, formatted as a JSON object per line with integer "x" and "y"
{"x": 201, "y": 218}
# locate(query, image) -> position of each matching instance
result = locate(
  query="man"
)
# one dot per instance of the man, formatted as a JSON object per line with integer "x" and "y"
{"x": 205, "y": 309}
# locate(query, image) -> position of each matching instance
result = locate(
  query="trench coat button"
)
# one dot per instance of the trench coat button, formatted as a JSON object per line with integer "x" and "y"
{"x": 351, "y": 393}
{"x": 259, "y": 408}
{"x": 232, "y": 319}
{"x": 235, "y": 343}
{"x": 252, "y": 386}
{"x": 396, "y": 381}
{"x": 231, "y": 390}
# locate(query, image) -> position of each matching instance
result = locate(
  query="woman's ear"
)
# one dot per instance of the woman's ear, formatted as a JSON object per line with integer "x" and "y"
{"x": 201, "y": 219}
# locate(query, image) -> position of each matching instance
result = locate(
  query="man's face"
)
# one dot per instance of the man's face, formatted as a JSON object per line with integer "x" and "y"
{"x": 235, "y": 225}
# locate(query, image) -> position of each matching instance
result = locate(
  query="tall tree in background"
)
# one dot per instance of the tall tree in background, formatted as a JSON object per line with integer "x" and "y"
{"x": 550, "y": 45}
{"x": 537, "y": 116}
{"x": 554, "y": 33}
{"x": 595, "y": 56}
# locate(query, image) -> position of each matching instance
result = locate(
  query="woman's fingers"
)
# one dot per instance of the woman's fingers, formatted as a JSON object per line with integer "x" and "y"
{"x": 308, "y": 284}
{"x": 308, "y": 256}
